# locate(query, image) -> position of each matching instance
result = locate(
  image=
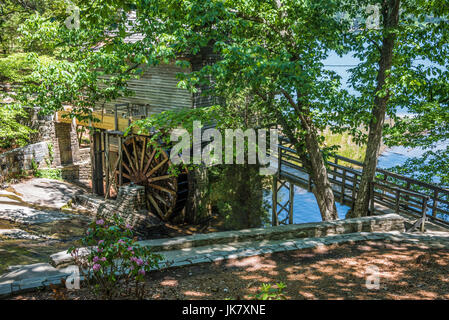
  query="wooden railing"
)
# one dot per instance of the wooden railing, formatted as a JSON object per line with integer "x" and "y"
{"x": 391, "y": 190}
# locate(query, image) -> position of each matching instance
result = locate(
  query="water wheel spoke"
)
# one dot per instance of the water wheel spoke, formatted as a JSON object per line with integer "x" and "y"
{"x": 155, "y": 186}
{"x": 144, "y": 151}
{"x": 126, "y": 176}
{"x": 149, "y": 161}
{"x": 158, "y": 197}
{"x": 154, "y": 203}
{"x": 136, "y": 158}
{"x": 160, "y": 178}
{"x": 156, "y": 167}
{"x": 127, "y": 168}
{"x": 129, "y": 157}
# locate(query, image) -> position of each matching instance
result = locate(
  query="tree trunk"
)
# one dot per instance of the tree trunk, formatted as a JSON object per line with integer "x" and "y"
{"x": 322, "y": 188}
{"x": 390, "y": 13}
{"x": 314, "y": 163}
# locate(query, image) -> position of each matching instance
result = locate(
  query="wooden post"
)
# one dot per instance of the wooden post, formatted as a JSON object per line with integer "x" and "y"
{"x": 116, "y": 118}
{"x": 435, "y": 203}
{"x": 290, "y": 209}
{"x": 354, "y": 184}
{"x": 279, "y": 159}
{"x": 335, "y": 168}
{"x": 343, "y": 182}
{"x": 97, "y": 165}
{"x": 424, "y": 214}
{"x": 274, "y": 202}
{"x": 106, "y": 162}
{"x": 407, "y": 198}
{"x": 120, "y": 182}
{"x": 398, "y": 195}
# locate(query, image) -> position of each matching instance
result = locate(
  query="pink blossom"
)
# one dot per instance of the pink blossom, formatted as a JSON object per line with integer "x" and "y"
{"x": 96, "y": 258}
{"x": 100, "y": 222}
{"x": 142, "y": 272}
{"x": 139, "y": 262}
{"x": 96, "y": 267}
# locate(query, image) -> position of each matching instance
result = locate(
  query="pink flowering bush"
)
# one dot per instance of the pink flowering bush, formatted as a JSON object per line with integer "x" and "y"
{"x": 116, "y": 264}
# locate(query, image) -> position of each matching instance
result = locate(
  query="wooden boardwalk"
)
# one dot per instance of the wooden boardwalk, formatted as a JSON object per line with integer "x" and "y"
{"x": 390, "y": 192}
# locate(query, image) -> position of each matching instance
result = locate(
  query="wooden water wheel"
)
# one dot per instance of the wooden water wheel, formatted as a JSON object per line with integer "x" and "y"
{"x": 146, "y": 165}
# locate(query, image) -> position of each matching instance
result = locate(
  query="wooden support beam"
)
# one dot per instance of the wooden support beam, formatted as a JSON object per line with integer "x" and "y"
{"x": 97, "y": 165}
{"x": 107, "y": 163}
{"x": 274, "y": 202}
{"x": 291, "y": 198}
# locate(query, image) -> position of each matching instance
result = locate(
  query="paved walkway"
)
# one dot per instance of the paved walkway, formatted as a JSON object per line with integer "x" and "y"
{"x": 35, "y": 201}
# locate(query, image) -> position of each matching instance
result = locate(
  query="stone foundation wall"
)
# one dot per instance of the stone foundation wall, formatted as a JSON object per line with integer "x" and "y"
{"x": 43, "y": 124}
{"x": 65, "y": 143}
{"x": 78, "y": 172}
{"x": 84, "y": 155}
{"x": 130, "y": 205}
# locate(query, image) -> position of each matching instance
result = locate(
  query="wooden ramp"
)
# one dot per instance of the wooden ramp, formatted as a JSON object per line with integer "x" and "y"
{"x": 390, "y": 192}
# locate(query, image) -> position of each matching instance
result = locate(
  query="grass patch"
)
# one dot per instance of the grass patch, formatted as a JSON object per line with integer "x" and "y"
{"x": 347, "y": 147}
{"x": 55, "y": 174}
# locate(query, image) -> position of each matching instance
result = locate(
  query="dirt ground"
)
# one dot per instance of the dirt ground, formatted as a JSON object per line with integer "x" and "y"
{"x": 407, "y": 271}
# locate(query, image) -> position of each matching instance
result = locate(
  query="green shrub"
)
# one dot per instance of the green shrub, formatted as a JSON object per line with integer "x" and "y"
{"x": 268, "y": 292}
{"x": 17, "y": 68}
{"x": 55, "y": 174}
{"x": 13, "y": 133}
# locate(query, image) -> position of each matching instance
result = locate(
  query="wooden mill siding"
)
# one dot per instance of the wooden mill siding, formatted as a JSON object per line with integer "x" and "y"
{"x": 157, "y": 87}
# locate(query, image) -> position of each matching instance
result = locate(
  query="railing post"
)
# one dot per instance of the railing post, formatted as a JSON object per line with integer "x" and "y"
{"x": 274, "y": 202}
{"x": 343, "y": 182}
{"x": 398, "y": 195}
{"x": 279, "y": 158}
{"x": 335, "y": 168}
{"x": 424, "y": 214}
{"x": 435, "y": 203}
{"x": 407, "y": 198}
{"x": 354, "y": 184}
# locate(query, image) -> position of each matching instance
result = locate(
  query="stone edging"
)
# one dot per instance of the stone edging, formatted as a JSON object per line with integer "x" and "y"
{"x": 383, "y": 223}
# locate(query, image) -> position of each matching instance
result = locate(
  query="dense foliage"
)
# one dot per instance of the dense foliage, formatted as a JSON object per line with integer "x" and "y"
{"x": 270, "y": 71}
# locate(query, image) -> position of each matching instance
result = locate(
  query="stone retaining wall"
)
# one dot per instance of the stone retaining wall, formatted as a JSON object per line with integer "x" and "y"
{"x": 21, "y": 159}
{"x": 383, "y": 223}
{"x": 130, "y": 205}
